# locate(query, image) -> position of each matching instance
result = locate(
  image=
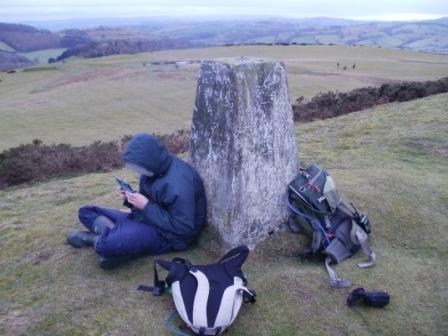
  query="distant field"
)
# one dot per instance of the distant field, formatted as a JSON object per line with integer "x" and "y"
{"x": 4, "y": 46}
{"x": 42, "y": 56}
{"x": 104, "y": 98}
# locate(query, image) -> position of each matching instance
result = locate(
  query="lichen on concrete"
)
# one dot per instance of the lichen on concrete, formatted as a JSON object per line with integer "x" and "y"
{"x": 243, "y": 146}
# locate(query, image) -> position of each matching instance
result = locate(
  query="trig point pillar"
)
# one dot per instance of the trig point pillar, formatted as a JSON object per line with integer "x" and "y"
{"x": 243, "y": 145}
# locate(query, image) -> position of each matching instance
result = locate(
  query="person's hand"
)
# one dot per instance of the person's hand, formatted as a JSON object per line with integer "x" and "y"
{"x": 137, "y": 200}
{"x": 121, "y": 194}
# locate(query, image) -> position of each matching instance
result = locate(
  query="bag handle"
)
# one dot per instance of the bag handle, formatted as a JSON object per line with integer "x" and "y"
{"x": 240, "y": 252}
{"x": 233, "y": 261}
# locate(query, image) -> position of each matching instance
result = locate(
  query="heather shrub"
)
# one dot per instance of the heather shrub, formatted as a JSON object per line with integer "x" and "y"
{"x": 331, "y": 104}
{"x": 37, "y": 161}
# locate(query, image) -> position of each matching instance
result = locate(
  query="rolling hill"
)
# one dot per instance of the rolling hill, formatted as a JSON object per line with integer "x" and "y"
{"x": 23, "y": 38}
{"x": 131, "y": 36}
{"x": 109, "y": 97}
{"x": 429, "y": 36}
{"x": 12, "y": 60}
{"x": 391, "y": 161}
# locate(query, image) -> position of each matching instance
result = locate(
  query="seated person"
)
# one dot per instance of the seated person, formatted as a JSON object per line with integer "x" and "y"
{"x": 167, "y": 214}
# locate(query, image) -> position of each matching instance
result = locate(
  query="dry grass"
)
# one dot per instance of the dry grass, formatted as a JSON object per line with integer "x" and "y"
{"x": 102, "y": 99}
{"x": 391, "y": 161}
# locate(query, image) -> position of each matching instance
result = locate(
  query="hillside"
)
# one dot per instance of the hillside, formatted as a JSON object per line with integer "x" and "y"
{"x": 391, "y": 161}
{"x": 129, "y": 36}
{"x": 11, "y": 60}
{"x": 23, "y": 38}
{"x": 429, "y": 36}
{"x": 111, "y": 96}
{"x": 23, "y": 45}
{"x": 418, "y": 36}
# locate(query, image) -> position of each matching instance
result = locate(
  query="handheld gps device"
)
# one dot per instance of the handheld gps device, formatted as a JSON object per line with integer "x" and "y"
{"x": 124, "y": 185}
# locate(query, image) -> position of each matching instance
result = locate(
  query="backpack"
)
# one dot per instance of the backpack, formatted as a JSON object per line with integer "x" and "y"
{"x": 336, "y": 229}
{"x": 207, "y": 297}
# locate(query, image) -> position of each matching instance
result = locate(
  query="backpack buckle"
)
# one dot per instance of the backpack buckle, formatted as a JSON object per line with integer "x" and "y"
{"x": 159, "y": 288}
{"x": 249, "y": 296}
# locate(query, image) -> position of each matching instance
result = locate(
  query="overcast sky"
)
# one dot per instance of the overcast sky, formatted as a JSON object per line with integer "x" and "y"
{"x": 37, "y": 10}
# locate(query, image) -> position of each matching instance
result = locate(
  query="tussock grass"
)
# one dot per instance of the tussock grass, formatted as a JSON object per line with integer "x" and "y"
{"x": 391, "y": 161}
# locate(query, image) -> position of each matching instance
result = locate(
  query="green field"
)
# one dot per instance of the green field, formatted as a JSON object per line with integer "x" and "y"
{"x": 391, "y": 161}
{"x": 42, "y": 56}
{"x": 5, "y": 47}
{"x": 104, "y": 98}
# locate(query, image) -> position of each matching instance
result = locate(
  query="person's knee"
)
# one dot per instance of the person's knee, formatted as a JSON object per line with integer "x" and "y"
{"x": 87, "y": 214}
{"x": 85, "y": 210}
{"x": 101, "y": 224}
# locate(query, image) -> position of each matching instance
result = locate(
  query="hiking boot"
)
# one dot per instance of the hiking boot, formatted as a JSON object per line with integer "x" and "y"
{"x": 79, "y": 239}
{"x": 112, "y": 262}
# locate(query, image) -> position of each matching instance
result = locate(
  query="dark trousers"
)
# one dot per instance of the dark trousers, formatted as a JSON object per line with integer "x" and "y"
{"x": 128, "y": 238}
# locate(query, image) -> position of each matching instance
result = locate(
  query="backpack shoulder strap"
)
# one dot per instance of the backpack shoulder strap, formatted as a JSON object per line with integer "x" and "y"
{"x": 334, "y": 278}
{"x": 160, "y": 285}
{"x": 319, "y": 234}
{"x": 360, "y": 236}
{"x": 233, "y": 260}
{"x": 239, "y": 253}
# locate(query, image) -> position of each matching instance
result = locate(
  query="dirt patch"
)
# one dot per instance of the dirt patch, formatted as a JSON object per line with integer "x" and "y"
{"x": 350, "y": 75}
{"x": 108, "y": 74}
{"x": 423, "y": 62}
{"x": 36, "y": 257}
{"x": 427, "y": 146}
{"x": 166, "y": 75}
{"x": 15, "y": 323}
{"x": 127, "y": 75}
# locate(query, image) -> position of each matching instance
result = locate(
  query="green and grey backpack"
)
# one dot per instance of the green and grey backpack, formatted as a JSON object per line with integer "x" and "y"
{"x": 336, "y": 229}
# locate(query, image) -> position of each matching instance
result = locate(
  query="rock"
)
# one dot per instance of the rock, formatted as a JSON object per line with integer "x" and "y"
{"x": 243, "y": 145}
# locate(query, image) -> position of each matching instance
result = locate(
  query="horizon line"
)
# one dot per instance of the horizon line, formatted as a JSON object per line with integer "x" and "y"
{"x": 384, "y": 18}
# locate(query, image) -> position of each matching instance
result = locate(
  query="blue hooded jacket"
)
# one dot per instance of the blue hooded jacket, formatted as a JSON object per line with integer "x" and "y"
{"x": 177, "y": 205}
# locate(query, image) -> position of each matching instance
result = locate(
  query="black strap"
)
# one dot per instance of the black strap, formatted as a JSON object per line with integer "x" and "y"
{"x": 145, "y": 288}
{"x": 249, "y": 297}
{"x": 159, "y": 286}
{"x": 374, "y": 299}
{"x": 240, "y": 251}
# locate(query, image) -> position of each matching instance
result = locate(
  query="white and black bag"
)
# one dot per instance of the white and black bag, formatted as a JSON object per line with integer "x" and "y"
{"x": 207, "y": 297}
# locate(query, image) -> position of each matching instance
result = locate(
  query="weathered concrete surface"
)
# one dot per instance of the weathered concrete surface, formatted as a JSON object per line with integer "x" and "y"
{"x": 243, "y": 146}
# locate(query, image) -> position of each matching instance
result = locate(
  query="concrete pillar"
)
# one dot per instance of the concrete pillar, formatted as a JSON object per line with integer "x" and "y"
{"x": 243, "y": 145}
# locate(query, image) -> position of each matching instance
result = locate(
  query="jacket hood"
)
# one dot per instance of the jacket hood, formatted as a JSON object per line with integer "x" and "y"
{"x": 146, "y": 151}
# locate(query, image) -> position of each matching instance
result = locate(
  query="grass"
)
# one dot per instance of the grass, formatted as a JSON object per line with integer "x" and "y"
{"x": 391, "y": 161}
{"x": 5, "y": 47}
{"x": 41, "y": 68}
{"x": 105, "y": 97}
{"x": 42, "y": 56}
